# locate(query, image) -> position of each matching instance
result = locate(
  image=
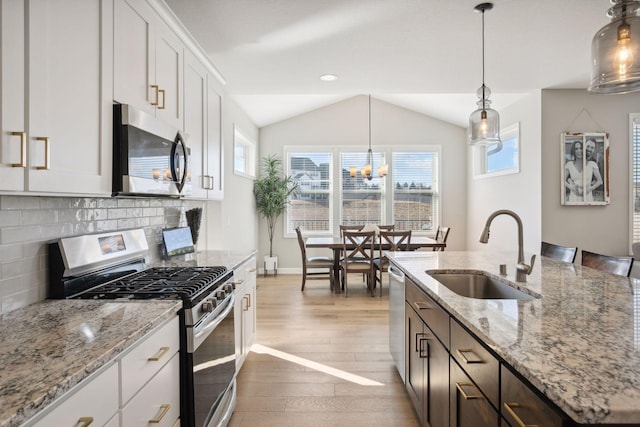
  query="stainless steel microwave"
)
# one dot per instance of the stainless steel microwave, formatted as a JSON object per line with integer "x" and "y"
{"x": 150, "y": 157}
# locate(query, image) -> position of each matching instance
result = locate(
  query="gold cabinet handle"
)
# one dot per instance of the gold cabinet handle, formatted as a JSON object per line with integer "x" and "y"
{"x": 238, "y": 282}
{"x": 509, "y": 407}
{"x": 461, "y": 352}
{"x": 165, "y": 408}
{"x": 158, "y": 356}
{"x": 156, "y": 89}
{"x": 246, "y": 307}
{"x": 248, "y": 301}
{"x": 251, "y": 270}
{"x": 86, "y": 421}
{"x": 23, "y": 150}
{"x": 466, "y": 396}
{"x": 422, "y": 305}
{"x": 47, "y": 153}
{"x": 164, "y": 97}
{"x": 421, "y": 346}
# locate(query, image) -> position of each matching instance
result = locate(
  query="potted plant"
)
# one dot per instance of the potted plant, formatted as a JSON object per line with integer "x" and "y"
{"x": 272, "y": 191}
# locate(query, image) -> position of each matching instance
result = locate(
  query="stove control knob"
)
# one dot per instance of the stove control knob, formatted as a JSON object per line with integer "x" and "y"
{"x": 208, "y": 306}
{"x": 220, "y": 295}
{"x": 229, "y": 287}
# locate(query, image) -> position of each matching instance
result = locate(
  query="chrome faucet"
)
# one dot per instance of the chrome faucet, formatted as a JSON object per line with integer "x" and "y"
{"x": 522, "y": 269}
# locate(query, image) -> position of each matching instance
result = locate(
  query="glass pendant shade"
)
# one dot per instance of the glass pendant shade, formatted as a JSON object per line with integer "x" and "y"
{"x": 484, "y": 123}
{"x": 615, "y": 51}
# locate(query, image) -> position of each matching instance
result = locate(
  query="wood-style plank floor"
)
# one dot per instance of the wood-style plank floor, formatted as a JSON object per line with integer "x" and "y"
{"x": 320, "y": 359}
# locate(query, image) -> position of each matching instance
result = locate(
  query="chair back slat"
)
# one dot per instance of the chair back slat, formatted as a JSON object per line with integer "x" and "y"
{"x": 442, "y": 234}
{"x": 557, "y": 252}
{"x": 344, "y": 228}
{"x": 611, "y": 264}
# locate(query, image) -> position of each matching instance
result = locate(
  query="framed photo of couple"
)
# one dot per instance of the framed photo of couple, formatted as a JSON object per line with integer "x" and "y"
{"x": 585, "y": 168}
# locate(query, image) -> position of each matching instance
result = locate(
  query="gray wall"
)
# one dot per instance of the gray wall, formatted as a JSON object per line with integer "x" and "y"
{"x": 520, "y": 192}
{"x": 602, "y": 229}
{"x": 346, "y": 123}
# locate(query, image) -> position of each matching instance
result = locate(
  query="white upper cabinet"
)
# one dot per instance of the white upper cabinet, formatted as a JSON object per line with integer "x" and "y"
{"x": 148, "y": 62}
{"x": 13, "y": 143}
{"x": 65, "y": 91}
{"x": 202, "y": 110}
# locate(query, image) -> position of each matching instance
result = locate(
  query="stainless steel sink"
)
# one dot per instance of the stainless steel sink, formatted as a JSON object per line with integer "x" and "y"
{"x": 477, "y": 284}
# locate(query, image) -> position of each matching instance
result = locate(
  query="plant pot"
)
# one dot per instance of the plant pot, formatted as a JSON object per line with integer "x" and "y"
{"x": 271, "y": 264}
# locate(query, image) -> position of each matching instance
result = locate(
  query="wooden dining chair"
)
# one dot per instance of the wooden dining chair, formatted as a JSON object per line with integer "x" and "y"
{"x": 316, "y": 263}
{"x": 387, "y": 227}
{"x": 358, "y": 252}
{"x": 344, "y": 228}
{"x": 557, "y": 252}
{"x": 611, "y": 264}
{"x": 394, "y": 241}
{"x": 442, "y": 234}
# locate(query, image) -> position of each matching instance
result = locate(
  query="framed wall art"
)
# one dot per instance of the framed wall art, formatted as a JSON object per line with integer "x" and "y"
{"x": 584, "y": 168}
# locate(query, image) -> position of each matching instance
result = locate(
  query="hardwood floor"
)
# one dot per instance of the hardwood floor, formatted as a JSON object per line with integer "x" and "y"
{"x": 339, "y": 371}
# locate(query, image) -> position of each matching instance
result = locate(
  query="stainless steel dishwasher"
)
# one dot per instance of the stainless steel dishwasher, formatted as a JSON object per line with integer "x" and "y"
{"x": 396, "y": 317}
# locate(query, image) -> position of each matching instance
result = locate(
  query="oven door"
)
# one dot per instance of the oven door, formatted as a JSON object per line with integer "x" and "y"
{"x": 210, "y": 369}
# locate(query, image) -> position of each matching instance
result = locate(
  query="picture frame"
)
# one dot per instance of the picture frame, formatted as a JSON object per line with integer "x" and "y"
{"x": 499, "y": 159}
{"x": 584, "y": 168}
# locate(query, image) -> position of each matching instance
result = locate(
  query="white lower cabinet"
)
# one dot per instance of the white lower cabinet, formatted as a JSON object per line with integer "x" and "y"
{"x": 245, "y": 309}
{"x": 140, "y": 387}
{"x": 158, "y": 402}
{"x": 93, "y": 404}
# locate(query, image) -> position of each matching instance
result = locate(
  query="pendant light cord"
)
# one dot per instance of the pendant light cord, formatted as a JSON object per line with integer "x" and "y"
{"x": 483, "y": 86}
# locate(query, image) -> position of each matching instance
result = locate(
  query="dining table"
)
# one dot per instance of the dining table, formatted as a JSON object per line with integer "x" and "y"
{"x": 336, "y": 244}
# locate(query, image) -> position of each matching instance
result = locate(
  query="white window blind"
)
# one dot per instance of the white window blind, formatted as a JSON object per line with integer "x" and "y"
{"x": 635, "y": 184}
{"x": 415, "y": 190}
{"x": 311, "y": 207}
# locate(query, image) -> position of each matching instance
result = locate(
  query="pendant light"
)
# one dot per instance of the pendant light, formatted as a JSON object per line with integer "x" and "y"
{"x": 615, "y": 51}
{"x": 484, "y": 123}
{"x": 367, "y": 170}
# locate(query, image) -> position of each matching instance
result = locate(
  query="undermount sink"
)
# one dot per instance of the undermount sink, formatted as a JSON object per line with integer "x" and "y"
{"x": 477, "y": 284}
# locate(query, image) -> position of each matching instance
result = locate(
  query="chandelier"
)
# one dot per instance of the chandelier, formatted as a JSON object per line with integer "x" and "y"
{"x": 366, "y": 170}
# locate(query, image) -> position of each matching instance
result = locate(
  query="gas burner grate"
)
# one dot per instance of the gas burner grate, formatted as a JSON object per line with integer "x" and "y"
{"x": 184, "y": 283}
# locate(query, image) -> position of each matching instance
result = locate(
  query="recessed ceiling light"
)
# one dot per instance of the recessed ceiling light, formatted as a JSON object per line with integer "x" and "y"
{"x": 328, "y": 77}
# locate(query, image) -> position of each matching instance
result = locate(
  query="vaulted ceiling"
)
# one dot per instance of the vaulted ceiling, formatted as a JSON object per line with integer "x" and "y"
{"x": 425, "y": 55}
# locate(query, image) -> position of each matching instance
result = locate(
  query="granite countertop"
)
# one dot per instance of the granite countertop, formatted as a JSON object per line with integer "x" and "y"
{"x": 578, "y": 344}
{"x": 50, "y": 346}
{"x": 230, "y": 259}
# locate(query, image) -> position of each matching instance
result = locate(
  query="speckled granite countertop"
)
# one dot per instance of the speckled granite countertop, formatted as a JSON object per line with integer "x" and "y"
{"x": 579, "y": 344}
{"x": 49, "y": 347}
{"x": 229, "y": 259}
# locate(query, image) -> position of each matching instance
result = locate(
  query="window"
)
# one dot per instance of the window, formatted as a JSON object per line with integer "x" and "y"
{"x": 499, "y": 159}
{"x": 244, "y": 154}
{"x": 415, "y": 196}
{"x": 635, "y": 177}
{"x": 329, "y": 196}
{"x": 310, "y": 209}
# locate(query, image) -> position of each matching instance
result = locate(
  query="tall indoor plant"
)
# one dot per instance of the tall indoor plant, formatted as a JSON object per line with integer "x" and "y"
{"x": 272, "y": 190}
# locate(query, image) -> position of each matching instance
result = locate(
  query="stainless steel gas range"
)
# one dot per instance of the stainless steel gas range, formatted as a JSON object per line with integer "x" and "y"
{"x": 112, "y": 266}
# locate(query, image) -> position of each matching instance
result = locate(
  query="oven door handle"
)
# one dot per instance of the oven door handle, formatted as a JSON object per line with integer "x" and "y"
{"x": 204, "y": 329}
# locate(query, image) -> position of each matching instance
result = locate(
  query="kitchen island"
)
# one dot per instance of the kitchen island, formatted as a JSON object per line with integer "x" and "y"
{"x": 577, "y": 342}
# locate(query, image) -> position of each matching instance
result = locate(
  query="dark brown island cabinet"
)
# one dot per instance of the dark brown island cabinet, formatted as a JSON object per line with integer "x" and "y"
{"x": 454, "y": 380}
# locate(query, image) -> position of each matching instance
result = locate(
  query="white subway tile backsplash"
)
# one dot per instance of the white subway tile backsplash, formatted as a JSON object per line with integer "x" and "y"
{"x": 28, "y": 224}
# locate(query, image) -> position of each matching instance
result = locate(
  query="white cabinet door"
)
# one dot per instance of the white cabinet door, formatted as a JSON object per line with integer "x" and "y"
{"x": 195, "y": 124}
{"x": 245, "y": 309}
{"x": 238, "y": 315}
{"x": 69, "y": 82}
{"x": 133, "y": 71}
{"x": 168, "y": 68}
{"x": 13, "y": 145}
{"x": 215, "y": 159}
{"x": 147, "y": 62}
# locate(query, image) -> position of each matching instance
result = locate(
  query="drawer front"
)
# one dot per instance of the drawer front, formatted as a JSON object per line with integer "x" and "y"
{"x": 478, "y": 363}
{"x": 521, "y": 406}
{"x": 158, "y": 403}
{"x": 468, "y": 407}
{"x": 95, "y": 403}
{"x": 147, "y": 358}
{"x": 429, "y": 311}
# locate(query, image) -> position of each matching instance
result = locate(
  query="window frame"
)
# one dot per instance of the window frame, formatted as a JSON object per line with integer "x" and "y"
{"x": 633, "y": 117}
{"x": 241, "y": 140}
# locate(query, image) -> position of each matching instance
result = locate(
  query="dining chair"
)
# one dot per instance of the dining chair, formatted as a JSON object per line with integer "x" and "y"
{"x": 611, "y": 264}
{"x": 358, "y": 251}
{"x": 387, "y": 227}
{"x": 557, "y": 252}
{"x": 344, "y": 228}
{"x": 395, "y": 241}
{"x": 317, "y": 262}
{"x": 441, "y": 236}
